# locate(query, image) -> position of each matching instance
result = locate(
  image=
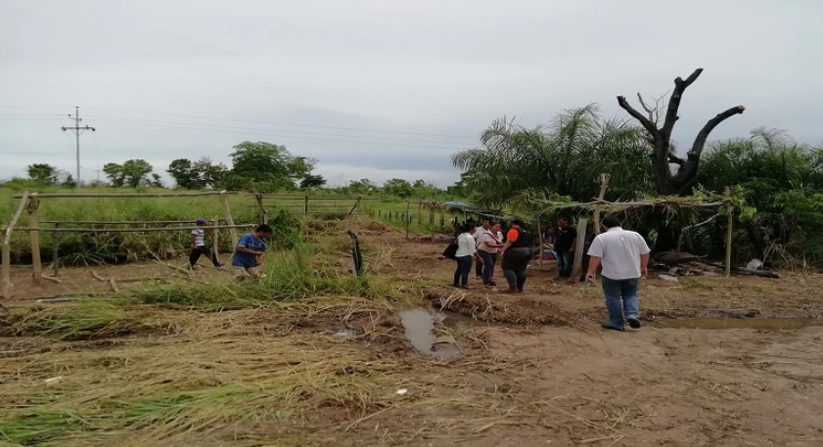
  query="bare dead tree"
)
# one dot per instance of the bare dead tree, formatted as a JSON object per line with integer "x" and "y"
{"x": 660, "y": 137}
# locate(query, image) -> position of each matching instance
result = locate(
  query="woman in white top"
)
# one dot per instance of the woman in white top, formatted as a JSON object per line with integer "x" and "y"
{"x": 466, "y": 250}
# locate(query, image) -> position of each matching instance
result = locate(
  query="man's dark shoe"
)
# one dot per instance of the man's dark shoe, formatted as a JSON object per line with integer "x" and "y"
{"x": 634, "y": 323}
{"x": 612, "y": 328}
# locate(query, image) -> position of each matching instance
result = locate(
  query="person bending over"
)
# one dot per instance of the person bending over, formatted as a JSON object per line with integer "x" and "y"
{"x": 248, "y": 254}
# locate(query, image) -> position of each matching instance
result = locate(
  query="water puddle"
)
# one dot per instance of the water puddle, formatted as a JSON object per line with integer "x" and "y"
{"x": 739, "y": 323}
{"x": 419, "y": 326}
{"x": 349, "y": 334}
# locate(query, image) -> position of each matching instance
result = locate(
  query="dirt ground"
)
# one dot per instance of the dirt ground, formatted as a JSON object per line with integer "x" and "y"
{"x": 534, "y": 370}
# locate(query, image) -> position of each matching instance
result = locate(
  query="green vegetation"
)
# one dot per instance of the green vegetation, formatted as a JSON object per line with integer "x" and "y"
{"x": 779, "y": 181}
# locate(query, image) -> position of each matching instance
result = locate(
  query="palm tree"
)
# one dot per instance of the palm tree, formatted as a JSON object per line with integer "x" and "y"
{"x": 519, "y": 167}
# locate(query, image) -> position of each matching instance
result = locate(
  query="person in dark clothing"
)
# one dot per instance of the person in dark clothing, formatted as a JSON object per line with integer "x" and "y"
{"x": 516, "y": 254}
{"x": 564, "y": 248}
{"x": 478, "y": 268}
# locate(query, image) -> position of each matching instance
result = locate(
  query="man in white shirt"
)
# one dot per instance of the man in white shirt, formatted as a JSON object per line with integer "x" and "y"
{"x": 625, "y": 259}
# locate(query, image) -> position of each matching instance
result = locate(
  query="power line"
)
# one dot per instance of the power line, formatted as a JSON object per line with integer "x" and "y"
{"x": 135, "y": 123}
{"x": 290, "y": 124}
{"x": 77, "y": 130}
{"x": 145, "y": 121}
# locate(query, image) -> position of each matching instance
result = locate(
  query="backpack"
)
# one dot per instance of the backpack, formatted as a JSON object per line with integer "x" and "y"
{"x": 451, "y": 250}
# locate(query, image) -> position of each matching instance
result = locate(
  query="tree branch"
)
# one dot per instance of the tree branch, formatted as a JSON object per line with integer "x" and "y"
{"x": 689, "y": 169}
{"x": 674, "y": 101}
{"x": 651, "y": 112}
{"x": 647, "y": 124}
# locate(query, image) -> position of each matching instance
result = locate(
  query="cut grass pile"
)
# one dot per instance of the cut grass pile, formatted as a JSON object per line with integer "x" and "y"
{"x": 84, "y": 319}
{"x": 140, "y": 395}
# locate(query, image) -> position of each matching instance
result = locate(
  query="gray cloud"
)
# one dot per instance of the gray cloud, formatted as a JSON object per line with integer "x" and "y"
{"x": 425, "y": 67}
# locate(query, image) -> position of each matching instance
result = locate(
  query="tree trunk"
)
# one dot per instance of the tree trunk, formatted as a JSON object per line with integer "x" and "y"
{"x": 663, "y": 156}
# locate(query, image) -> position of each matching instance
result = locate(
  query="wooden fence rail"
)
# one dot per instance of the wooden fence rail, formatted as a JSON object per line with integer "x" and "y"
{"x": 132, "y": 195}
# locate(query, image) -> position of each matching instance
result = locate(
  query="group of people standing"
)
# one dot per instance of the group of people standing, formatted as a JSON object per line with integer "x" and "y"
{"x": 623, "y": 255}
{"x": 485, "y": 245}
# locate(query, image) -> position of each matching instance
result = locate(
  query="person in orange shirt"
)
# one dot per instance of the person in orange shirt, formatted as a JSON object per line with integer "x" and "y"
{"x": 516, "y": 253}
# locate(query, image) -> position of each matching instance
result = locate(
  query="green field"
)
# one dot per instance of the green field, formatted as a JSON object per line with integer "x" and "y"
{"x": 82, "y": 249}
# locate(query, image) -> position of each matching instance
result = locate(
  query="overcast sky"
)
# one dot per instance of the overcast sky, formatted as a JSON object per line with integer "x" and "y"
{"x": 383, "y": 88}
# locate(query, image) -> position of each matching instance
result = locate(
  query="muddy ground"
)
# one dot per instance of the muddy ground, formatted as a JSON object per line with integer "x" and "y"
{"x": 525, "y": 370}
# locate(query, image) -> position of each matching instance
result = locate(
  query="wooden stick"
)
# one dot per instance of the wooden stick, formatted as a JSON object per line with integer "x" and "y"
{"x": 118, "y": 222}
{"x": 97, "y": 276}
{"x": 132, "y": 230}
{"x": 55, "y": 254}
{"x": 603, "y": 185}
{"x": 188, "y": 272}
{"x": 356, "y": 204}
{"x": 407, "y": 220}
{"x": 306, "y": 205}
{"x": 6, "y": 259}
{"x": 113, "y": 285}
{"x": 34, "y": 235}
{"x": 52, "y": 279}
{"x": 261, "y": 210}
{"x": 215, "y": 242}
{"x": 580, "y": 245}
{"x": 224, "y": 201}
{"x": 118, "y": 195}
{"x": 729, "y": 223}
{"x": 294, "y": 197}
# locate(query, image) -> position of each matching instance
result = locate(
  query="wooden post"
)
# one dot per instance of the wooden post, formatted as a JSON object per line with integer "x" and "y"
{"x": 580, "y": 245}
{"x": 431, "y": 220}
{"x": 419, "y": 213}
{"x": 262, "y": 214}
{"x": 224, "y": 200}
{"x": 215, "y": 239}
{"x": 407, "y": 219}
{"x": 306, "y": 205}
{"x": 6, "y": 266}
{"x": 540, "y": 241}
{"x": 34, "y": 235}
{"x": 55, "y": 254}
{"x": 729, "y": 234}
{"x": 604, "y": 183}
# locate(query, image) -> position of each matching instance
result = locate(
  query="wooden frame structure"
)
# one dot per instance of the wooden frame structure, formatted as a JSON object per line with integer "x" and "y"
{"x": 31, "y": 202}
{"x": 302, "y": 204}
{"x": 725, "y": 205}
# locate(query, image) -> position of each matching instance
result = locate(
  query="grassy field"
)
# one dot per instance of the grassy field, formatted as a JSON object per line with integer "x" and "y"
{"x": 311, "y": 355}
{"x": 89, "y": 249}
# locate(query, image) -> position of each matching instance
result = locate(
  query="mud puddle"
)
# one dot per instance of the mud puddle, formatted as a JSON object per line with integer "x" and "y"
{"x": 739, "y": 323}
{"x": 419, "y": 325}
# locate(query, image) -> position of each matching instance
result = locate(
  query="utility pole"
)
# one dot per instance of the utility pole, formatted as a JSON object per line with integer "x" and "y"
{"x": 77, "y": 132}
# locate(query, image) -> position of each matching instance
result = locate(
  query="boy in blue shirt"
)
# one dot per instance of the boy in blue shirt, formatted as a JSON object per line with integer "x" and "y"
{"x": 249, "y": 251}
